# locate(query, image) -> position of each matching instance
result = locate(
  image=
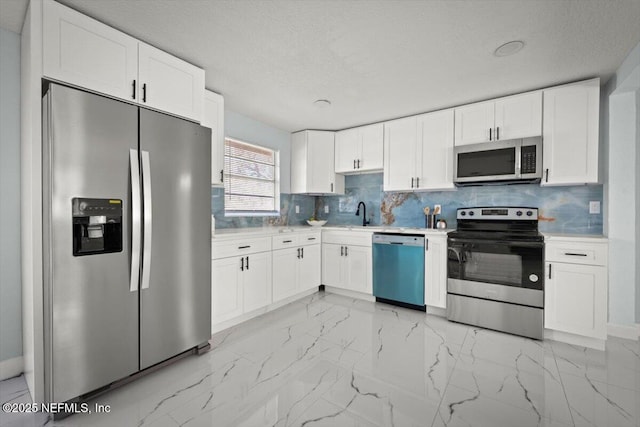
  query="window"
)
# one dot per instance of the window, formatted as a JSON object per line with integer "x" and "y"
{"x": 252, "y": 179}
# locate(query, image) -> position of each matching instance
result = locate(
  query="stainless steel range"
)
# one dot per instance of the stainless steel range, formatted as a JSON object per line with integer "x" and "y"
{"x": 496, "y": 270}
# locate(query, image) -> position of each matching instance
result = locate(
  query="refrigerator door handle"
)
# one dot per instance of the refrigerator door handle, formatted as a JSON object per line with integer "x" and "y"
{"x": 146, "y": 248}
{"x": 136, "y": 210}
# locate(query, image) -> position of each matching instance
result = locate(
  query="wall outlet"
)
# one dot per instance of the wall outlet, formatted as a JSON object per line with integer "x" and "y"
{"x": 297, "y": 209}
{"x": 326, "y": 208}
{"x": 594, "y": 207}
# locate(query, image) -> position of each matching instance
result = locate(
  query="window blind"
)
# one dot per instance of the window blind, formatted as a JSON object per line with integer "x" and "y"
{"x": 251, "y": 178}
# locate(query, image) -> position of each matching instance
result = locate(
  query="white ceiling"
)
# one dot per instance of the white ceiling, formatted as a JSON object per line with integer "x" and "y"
{"x": 375, "y": 60}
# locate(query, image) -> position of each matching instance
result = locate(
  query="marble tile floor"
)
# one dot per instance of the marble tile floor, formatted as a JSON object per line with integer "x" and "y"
{"x": 329, "y": 360}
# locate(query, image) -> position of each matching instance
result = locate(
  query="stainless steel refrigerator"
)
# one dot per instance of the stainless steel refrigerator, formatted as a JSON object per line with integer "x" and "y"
{"x": 127, "y": 249}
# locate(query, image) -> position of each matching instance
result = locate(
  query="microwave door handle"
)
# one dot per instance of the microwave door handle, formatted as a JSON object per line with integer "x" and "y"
{"x": 518, "y": 161}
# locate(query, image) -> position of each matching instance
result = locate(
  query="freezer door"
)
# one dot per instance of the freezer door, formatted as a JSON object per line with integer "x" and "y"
{"x": 91, "y": 316}
{"x": 175, "y": 295}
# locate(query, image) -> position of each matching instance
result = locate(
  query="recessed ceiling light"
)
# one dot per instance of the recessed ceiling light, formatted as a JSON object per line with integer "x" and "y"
{"x": 509, "y": 48}
{"x": 322, "y": 103}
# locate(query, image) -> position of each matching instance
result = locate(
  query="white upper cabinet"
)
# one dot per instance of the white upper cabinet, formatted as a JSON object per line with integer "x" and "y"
{"x": 348, "y": 144}
{"x": 82, "y": 51}
{"x": 400, "y": 140}
{"x": 313, "y": 163}
{"x": 213, "y": 118}
{"x": 516, "y": 116}
{"x": 474, "y": 122}
{"x": 435, "y": 151}
{"x": 418, "y": 152}
{"x": 89, "y": 54}
{"x": 570, "y": 134}
{"x": 170, "y": 84}
{"x": 359, "y": 149}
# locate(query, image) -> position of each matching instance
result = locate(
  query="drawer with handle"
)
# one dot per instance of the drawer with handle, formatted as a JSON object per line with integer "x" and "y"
{"x": 288, "y": 240}
{"x": 576, "y": 253}
{"x": 233, "y": 247}
{"x": 309, "y": 238}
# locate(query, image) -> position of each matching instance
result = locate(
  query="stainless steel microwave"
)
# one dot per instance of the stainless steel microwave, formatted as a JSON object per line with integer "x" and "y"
{"x": 500, "y": 162}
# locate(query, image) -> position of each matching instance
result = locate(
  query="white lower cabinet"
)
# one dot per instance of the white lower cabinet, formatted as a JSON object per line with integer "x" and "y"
{"x": 226, "y": 289}
{"x": 346, "y": 260}
{"x": 249, "y": 274}
{"x": 255, "y": 281}
{"x": 295, "y": 270}
{"x": 435, "y": 272}
{"x": 240, "y": 284}
{"x": 576, "y": 288}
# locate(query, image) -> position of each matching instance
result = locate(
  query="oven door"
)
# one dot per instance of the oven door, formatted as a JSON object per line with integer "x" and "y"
{"x": 502, "y": 270}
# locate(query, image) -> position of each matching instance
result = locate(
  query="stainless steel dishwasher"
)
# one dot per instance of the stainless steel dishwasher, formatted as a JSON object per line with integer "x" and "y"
{"x": 398, "y": 269}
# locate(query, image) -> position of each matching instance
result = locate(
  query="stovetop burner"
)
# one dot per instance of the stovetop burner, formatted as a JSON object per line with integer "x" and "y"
{"x": 499, "y": 223}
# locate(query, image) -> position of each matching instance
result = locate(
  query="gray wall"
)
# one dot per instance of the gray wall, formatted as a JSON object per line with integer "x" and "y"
{"x": 621, "y": 137}
{"x": 10, "y": 286}
{"x": 249, "y": 130}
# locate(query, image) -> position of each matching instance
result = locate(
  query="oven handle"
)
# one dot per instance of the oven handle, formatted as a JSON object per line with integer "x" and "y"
{"x": 498, "y": 242}
{"x": 459, "y": 255}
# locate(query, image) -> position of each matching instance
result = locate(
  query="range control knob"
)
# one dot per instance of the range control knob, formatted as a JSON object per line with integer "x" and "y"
{"x": 519, "y": 213}
{"x": 471, "y": 213}
{"x": 529, "y": 213}
{"x": 463, "y": 213}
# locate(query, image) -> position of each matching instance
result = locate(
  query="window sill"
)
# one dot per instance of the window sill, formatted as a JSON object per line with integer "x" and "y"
{"x": 250, "y": 214}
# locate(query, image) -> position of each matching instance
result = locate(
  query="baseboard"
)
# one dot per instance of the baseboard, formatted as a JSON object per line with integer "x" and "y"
{"x": 595, "y": 343}
{"x": 349, "y": 293}
{"x": 437, "y": 311}
{"x": 630, "y": 332}
{"x": 11, "y": 368}
{"x": 221, "y": 326}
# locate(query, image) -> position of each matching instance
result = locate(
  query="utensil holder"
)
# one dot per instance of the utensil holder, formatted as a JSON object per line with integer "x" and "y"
{"x": 430, "y": 221}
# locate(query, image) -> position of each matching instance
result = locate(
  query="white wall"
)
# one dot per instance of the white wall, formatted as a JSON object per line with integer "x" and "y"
{"x": 10, "y": 285}
{"x": 247, "y": 129}
{"x": 622, "y": 190}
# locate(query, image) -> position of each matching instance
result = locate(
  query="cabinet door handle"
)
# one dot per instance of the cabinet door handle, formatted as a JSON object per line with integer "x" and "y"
{"x": 497, "y": 133}
{"x": 412, "y": 182}
{"x": 134, "y": 90}
{"x": 332, "y": 187}
{"x": 341, "y": 250}
{"x": 546, "y": 175}
{"x": 418, "y": 182}
{"x": 301, "y": 252}
{"x": 247, "y": 263}
{"x": 287, "y": 241}
{"x": 489, "y": 134}
{"x": 354, "y": 163}
{"x": 550, "y": 270}
{"x": 298, "y": 253}
{"x": 221, "y": 175}
{"x": 574, "y": 254}
{"x": 244, "y": 247}
{"x": 144, "y": 92}
{"x": 346, "y": 251}
{"x": 311, "y": 238}
{"x": 242, "y": 264}
{"x": 358, "y": 163}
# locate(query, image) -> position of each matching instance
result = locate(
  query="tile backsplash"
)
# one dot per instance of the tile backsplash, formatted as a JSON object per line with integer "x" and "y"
{"x": 562, "y": 209}
{"x": 288, "y": 215}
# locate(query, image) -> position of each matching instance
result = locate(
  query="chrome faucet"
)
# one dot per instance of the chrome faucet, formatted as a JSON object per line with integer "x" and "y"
{"x": 364, "y": 214}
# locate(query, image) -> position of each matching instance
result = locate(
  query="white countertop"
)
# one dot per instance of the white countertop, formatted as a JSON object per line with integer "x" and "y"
{"x": 227, "y": 233}
{"x": 575, "y": 237}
